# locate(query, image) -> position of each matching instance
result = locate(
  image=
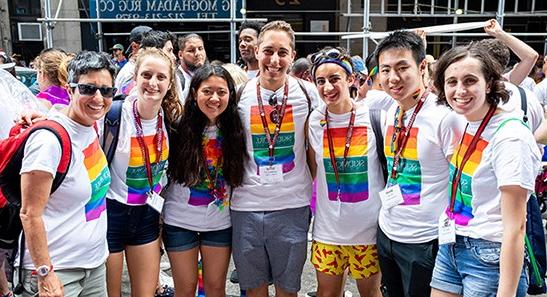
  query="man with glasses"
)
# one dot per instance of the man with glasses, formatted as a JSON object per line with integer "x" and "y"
{"x": 418, "y": 143}
{"x": 270, "y": 211}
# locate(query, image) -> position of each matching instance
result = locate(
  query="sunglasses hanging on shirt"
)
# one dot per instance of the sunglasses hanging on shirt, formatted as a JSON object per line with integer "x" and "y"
{"x": 274, "y": 114}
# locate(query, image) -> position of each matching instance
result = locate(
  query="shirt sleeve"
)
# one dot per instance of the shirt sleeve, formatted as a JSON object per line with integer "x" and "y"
{"x": 42, "y": 152}
{"x": 514, "y": 160}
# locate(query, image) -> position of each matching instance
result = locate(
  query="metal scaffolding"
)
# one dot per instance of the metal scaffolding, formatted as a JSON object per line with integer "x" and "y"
{"x": 455, "y": 9}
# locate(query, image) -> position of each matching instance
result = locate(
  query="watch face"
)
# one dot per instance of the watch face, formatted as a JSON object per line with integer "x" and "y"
{"x": 42, "y": 270}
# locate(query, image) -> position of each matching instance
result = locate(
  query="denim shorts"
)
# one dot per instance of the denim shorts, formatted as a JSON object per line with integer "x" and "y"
{"x": 176, "y": 239}
{"x": 477, "y": 271}
{"x": 270, "y": 245}
{"x": 130, "y": 225}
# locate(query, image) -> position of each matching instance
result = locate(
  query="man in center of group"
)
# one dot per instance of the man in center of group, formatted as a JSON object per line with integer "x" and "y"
{"x": 418, "y": 144}
{"x": 270, "y": 211}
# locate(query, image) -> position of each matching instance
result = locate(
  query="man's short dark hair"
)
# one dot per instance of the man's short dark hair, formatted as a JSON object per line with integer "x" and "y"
{"x": 182, "y": 40}
{"x": 300, "y": 65}
{"x": 253, "y": 25}
{"x": 157, "y": 39}
{"x": 402, "y": 40}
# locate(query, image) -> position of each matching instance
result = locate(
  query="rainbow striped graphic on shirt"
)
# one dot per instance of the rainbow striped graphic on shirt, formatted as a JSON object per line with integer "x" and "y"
{"x": 99, "y": 176}
{"x": 136, "y": 178}
{"x": 200, "y": 194}
{"x": 284, "y": 153}
{"x": 409, "y": 175}
{"x": 463, "y": 210}
{"x": 354, "y": 180}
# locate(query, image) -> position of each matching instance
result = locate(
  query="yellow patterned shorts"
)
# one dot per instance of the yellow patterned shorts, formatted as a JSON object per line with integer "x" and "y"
{"x": 362, "y": 260}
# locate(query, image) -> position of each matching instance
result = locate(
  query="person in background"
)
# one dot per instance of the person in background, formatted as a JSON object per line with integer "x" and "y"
{"x": 152, "y": 39}
{"x": 118, "y": 57}
{"x": 238, "y": 75}
{"x": 127, "y": 73}
{"x": 301, "y": 69}
{"x": 7, "y": 64}
{"x": 499, "y": 48}
{"x": 248, "y": 43}
{"x": 51, "y": 66}
{"x": 375, "y": 96}
{"x": 192, "y": 55}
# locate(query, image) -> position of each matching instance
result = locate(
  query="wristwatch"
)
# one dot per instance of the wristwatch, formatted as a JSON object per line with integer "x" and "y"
{"x": 43, "y": 270}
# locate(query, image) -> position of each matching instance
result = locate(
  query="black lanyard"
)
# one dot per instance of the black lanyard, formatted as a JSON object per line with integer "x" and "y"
{"x": 470, "y": 149}
{"x": 349, "y": 134}
{"x": 272, "y": 140}
{"x": 401, "y": 137}
{"x": 144, "y": 149}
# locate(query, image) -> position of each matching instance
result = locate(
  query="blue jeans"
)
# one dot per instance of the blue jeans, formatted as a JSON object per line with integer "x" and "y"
{"x": 471, "y": 267}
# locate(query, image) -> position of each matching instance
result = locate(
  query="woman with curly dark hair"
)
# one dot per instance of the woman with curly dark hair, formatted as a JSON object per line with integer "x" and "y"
{"x": 206, "y": 162}
{"x": 492, "y": 173}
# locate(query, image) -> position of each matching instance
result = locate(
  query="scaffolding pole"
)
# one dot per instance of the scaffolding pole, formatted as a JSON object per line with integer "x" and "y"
{"x": 366, "y": 27}
{"x": 455, "y": 21}
{"x": 99, "y": 27}
{"x": 500, "y": 13}
{"x": 233, "y": 36}
{"x": 48, "y": 26}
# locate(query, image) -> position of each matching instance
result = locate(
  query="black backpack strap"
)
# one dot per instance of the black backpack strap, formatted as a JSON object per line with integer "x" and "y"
{"x": 111, "y": 130}
{"x": 240, "y": 91}
{"x": 523, "y": 104}
{"x": 303, "y": 87}
{"x": 375, "y": 122}
{"x": 18, "y": 290}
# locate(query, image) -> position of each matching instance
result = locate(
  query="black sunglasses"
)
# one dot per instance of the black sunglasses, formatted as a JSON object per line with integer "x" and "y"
{"x": 90, "y": 90}
{"x": 274, "y": 114}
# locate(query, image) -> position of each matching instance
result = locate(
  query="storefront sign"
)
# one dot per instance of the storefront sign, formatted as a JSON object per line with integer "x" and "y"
{"x": 163, "y": 9}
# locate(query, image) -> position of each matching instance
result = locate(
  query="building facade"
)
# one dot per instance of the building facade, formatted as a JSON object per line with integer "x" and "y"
{"x": 317, "y": 23}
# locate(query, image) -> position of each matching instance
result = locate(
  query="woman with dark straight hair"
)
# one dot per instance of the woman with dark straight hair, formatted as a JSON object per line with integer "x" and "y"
{"x": 208, "y": 152}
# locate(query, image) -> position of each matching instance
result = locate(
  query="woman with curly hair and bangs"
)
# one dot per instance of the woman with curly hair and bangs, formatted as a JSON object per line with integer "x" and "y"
{"x": 207, "y": 162}
{"x": 492, "y": 173}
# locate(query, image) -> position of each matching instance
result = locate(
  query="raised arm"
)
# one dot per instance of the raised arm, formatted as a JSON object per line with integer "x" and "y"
{"x": 526, "y": 54}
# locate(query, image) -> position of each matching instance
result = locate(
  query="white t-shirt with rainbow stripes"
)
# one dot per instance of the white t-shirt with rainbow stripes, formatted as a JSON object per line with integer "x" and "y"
{"x": 423, "y": 172}
{"x": 130, "y": 183}
{"x": 74, "y": 216}
{"x": 352, "y": 220}
{"x": 295, "y": 190}
{"x": 506, "y": 154}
